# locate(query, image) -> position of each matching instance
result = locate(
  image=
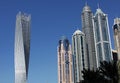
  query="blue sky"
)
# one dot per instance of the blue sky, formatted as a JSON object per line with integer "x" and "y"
{"x": 50, "y": 20}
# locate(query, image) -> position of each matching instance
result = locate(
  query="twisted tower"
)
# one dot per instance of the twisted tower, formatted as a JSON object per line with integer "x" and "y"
{"x": 22, "y": 47}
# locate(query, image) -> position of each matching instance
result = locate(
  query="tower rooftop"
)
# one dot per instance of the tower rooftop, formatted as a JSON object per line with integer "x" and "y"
{"x": 86, "y": 8}
{"x": 78, "y": 32}
{"x": 99, "y": 11}
{"x": 63, "y": 38}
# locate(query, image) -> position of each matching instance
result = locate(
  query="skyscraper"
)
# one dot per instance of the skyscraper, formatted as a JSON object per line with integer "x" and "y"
{"x": 87, "y": 28}
{"x": 22, "y": 47}
{"x": 65, "y": 65}
{"x": 102, "y": 37}
{"x": 79, "y": 55}
{"x": 116, "y": 30}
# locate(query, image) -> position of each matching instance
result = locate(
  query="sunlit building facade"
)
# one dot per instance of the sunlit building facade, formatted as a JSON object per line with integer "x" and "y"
{"x": 22, "y": 47}
{"x": 102, "y": 37}
{"x": 65, "y": 65}
{"x": 87, "y": 29}
{"x": 116, "y": 30}
{"x": 80, "y": 59}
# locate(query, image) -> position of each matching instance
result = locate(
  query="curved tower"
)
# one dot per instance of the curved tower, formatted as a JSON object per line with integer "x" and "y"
{"x": 22, "y": 47}
{"x": 79, "y": 55}
{"x": 65, "y": 67}
{"x": 87, "y": 28}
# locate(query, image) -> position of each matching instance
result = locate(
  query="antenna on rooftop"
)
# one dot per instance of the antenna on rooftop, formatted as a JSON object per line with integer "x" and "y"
{"x": 76, "y": 27}
{"x": 86, "y": 3}
{"x": 98, "y": 6}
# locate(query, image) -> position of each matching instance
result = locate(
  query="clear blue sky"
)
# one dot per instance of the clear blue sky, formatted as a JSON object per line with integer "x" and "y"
{"x": 50, "y": 20}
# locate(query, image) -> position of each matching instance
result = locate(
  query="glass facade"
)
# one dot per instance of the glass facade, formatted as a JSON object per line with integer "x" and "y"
{"x": 99, "y": 52}
{"x": 97, "y": 30}
{"x": 107, "y": 51}
{"x": 79, "y": 55}
{"x": 104, "y": 28}
{"x": 22, "y": 47}
{"x": 102, "y": 36}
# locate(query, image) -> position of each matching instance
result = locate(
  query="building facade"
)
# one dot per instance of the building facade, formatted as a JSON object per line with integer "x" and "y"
{"x": 116, "y": 30}
{"x": 65, "y": 64}
{"x": 115, "y": 55}
{"x": 102, "y": 37}
{"x": 22, "y": 47}
{"x": 79, "y": 55}
{"x": 87, "y": 28}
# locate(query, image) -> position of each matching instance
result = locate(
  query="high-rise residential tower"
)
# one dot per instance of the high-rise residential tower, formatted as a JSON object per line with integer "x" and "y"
{"x": 22, "y": 47}
{"x": 79, "y": 55}
{"x": 87, "y": 28}
{"x": 102, "y": 37}
{"x": 65, "y": 65}
{"x": 116, "y": 29}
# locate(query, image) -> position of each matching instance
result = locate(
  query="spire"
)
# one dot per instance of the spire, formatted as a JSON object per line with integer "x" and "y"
{"x": 98, "y": 6}
{"x": 98, "y": 10}
{"x": 76, "y": 27}
{"x": 86, "y": 3}
{"x": 86, "y": 7}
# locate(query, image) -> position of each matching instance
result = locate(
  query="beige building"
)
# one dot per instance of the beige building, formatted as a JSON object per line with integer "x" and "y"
{"x": 116, "y": 29}
{"x": 65, "y": 66}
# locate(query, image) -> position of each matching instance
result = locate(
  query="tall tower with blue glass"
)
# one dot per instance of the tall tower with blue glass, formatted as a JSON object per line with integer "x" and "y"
{"x": 80, "y": 59}
{"x": 102, "y": 37}
{"x": 22, "y": 47}
{"x": 65, "y": 65}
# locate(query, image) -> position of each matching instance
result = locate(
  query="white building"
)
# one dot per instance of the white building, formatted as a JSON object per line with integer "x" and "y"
{"x": 22, "y": 47}
{"x": 102, "y": 37}
{"x": 80, "y": 59}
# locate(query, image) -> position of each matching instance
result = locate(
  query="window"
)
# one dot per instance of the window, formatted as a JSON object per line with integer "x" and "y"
{"x": 104, "y": 28}
{"x": 97, "y": 30}
{"x": 107, "y": 51}
{"x": 99, "y": 52}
